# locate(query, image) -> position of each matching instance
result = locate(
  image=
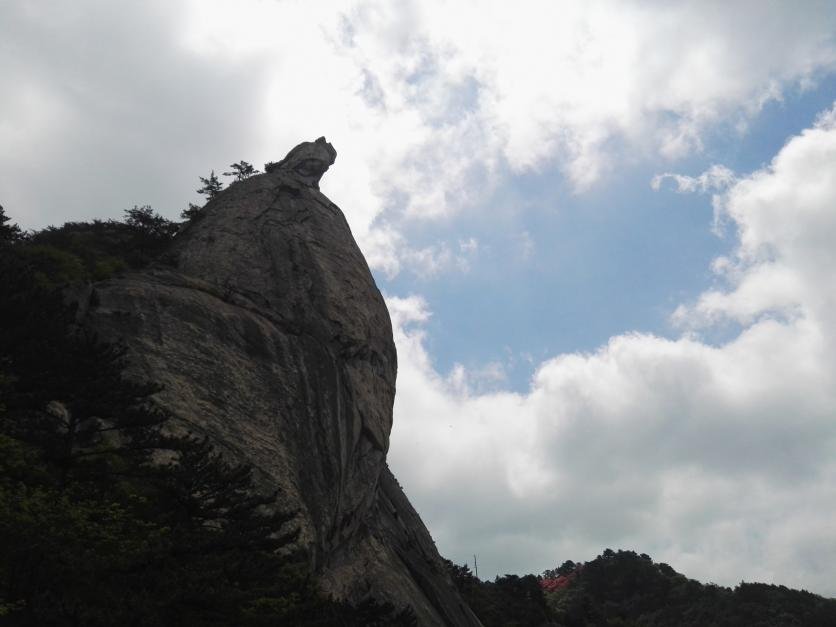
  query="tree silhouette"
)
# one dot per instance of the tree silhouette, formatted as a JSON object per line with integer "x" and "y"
{"x": 146, "y": 221}
{"x": 191, "y": 212}
{"x": 211, "y": 186}
{"x": 241, "y": 170}
{"x": 8, "y": 233}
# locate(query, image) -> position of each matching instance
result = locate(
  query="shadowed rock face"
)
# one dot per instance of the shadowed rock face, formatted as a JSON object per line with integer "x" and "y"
{"x": 266, "y": 328}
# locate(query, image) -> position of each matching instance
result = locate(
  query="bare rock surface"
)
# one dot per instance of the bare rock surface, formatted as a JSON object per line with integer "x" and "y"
{"x": 270, "y": 336}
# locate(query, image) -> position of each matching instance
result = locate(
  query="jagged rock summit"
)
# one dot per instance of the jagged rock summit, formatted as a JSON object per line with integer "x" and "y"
{"x": 270, "y": 336}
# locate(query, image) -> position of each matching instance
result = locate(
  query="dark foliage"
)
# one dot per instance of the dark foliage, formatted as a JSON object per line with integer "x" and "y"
{"x": 566, "y": 568}
{"x": 191, "y": 212}
{"x": 212, "y": 186}
{"x": 509, "y": 601}
{"x": 241, "y": 170}
{"x": 8, "y": 232}
{"x": 629, "y": 589}
{"x": 150, "y": 229}
{"x": 623, "y": 588}
{"x": 91, "y": 251}
{"x": 93, "y": 531}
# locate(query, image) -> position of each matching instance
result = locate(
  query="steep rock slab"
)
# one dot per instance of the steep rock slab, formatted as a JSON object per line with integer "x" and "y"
{"x": 265, "y": 326}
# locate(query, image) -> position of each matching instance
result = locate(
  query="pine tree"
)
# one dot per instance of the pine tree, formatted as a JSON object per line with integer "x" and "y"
{"x": 9, "y": 233}
{"x": 191, "y": 212}
{"x": 241, "y": 170}
{"x": 211, "y": 186}
{"x": 150, "y": 234}
{"x": 148, "y": 222}
{"x": 69, "y": 398}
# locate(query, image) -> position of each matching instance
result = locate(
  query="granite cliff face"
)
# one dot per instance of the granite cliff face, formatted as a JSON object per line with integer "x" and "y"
{"x": 265, "y": 326}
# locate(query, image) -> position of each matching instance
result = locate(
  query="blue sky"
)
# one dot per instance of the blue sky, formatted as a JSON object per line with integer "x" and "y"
{"x": 560, "y": 271}
{"x": 584, "y": 360}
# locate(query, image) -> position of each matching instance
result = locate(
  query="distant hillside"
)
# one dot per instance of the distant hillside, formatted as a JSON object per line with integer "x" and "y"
{"x": 625, "y": 589}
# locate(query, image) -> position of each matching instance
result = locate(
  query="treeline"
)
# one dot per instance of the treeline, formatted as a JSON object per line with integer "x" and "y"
{"x": 107, "y": 515}
{"x": 96, "y": 250}
{"x": 92, "y": 251}
{"x": 626, "y": 589}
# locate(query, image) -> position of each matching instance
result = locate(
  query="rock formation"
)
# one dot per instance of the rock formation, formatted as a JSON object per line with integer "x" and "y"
{"x": 266, "y": 328}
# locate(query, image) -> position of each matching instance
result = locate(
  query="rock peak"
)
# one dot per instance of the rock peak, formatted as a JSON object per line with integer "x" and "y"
{"x": 308, "y": 161}
{"x": 270, "y": 337}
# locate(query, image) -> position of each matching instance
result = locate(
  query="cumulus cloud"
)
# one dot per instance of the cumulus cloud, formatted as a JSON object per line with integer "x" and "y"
{"x": 567, "y": 82}
{"x": 719, "y": 459}
{"x": 429, "y": 103}
{"x": 784, "y": 217}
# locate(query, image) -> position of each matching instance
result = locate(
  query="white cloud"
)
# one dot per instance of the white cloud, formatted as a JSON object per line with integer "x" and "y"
{"x": 562, "y": 82}
{"x": 429, "y": 103}
{"x": 717, "y": 177}
{"x": 785, "y": 221}
{"x": 717, "y": 459}
{"x": 430, "y": 261}
{"x": 465, "y": 381}
{"x": 387, "y": 251}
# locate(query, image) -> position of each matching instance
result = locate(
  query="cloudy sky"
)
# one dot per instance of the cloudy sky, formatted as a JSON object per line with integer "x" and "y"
{"x": 606, "y": 232}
